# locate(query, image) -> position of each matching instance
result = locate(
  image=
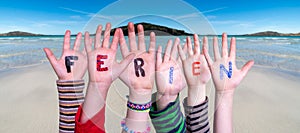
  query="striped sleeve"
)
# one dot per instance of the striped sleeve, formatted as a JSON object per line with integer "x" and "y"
{"x": 168, "y": 120}
{"x": 70, "y": 95}
{"x": 197, "y": 117}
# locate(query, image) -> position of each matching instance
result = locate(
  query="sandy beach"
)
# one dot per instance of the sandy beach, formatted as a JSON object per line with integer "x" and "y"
{"x": 266, "y": 101}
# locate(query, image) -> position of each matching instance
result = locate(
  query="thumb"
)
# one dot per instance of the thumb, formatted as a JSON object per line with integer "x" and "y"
{"x": 247, "y": 67}
{"x": 123, "y": 65}
{"x": 50, "y": 56}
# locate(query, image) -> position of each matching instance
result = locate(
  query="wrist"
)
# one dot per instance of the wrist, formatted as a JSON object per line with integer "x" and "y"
{"x": 196, "y": 95}
{"x": 224, "y": 97}
{"x": 163, "y": 100}
{"x": 98, "y": 88}
{"x": 225, "y": 92}
{"x": 140, "y": 97}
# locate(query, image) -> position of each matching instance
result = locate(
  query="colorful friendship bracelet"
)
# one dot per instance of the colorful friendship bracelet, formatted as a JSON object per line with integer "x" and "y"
{"x": 127, "y": 130}
{"x": 139, "y": 107}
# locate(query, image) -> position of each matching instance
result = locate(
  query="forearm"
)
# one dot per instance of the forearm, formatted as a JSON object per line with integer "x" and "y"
{"x": 223, "y": 112}
{"x": 138, "y": 120}
{"x": 70, "y": 98}
{"x": 94, "y": 100}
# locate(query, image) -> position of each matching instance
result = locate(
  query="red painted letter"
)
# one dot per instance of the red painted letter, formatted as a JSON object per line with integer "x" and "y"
{"x": 196, "y": 66}
{"x": 99, "y": 63}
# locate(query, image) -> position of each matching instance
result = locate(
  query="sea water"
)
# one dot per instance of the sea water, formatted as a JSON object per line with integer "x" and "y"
{"x": 281, "y": 53}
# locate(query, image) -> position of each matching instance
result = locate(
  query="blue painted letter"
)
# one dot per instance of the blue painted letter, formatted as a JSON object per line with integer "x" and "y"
{"x": 228, "y": 72}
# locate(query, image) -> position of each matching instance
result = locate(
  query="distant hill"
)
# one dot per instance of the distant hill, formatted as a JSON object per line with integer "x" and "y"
{"x": 272, "y": 33}
{"x": 148, "y": 28}
{"x": 19, "y": 33}
{"x": 158, "y": 29}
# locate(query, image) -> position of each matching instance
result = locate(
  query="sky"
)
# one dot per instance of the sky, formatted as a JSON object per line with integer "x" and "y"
{"x": 231, "y": 16}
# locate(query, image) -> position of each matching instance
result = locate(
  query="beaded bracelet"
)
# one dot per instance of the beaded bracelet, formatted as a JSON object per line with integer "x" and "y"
{"x": 127, "y": 130}
{"x": 139, "y": 107}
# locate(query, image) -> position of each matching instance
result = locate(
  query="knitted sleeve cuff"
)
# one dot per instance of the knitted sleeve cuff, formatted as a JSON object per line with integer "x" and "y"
{"x": 197, "y": 117}
{"x": 169, "y": 119}
{"x": 70, "y": 96}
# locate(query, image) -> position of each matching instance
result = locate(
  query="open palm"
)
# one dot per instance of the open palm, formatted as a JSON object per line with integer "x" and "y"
{"x": 169, "y": 75}
{"x": 79, "y": 63}
{"x": 226, "y": 75}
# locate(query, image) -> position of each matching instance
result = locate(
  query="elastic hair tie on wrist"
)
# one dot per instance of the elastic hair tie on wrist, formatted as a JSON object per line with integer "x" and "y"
{"x": 139, "y": 107}
{"x": 127, "y": 130}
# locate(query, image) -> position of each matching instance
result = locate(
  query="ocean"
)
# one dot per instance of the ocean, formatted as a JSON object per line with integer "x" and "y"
{"x": 282, "y": 53}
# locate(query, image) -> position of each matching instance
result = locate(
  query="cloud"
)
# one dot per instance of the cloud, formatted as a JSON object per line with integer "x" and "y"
{"x": 213, "y": 10}
{"x": 89, "y": 14}
{"x": 209, "y": 17}
{"x": 224, "y": 22}
{"x": 75, "y": 17}
{"x": 77, "y": 11}
{"x": 186, "y": 16}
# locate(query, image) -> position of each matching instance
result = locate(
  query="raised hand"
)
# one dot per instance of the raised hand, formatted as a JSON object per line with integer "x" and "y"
{"x": 169, "y": 75}
{"x": 196, "y": 71}
{"x": 72, "y": 64}
{"x": 103, "y": 67}
{"x": 139, "y": 75}
{"x": 226, "y": 75}
{"x": 226, "y": 78}
{"x": 103, "y": 70}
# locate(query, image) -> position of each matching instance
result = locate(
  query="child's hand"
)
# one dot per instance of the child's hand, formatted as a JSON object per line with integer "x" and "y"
{"x": 103, "y": 67}
{"x": 196, "y": 71}
{"x": 139, "y": 75}
{"x": 169, "y": 75}
{"x": 72, "y": 64}
{"x": 225, "y": 75}
{"x": 195, "y": 67}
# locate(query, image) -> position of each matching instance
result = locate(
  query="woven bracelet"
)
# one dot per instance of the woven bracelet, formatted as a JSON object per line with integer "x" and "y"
{"x": 139, "y": 107}
{"x": 127, "y": 130}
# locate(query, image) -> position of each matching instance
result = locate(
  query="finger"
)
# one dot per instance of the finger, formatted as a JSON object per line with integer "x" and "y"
{"x": 123, "y": 45}
{"x": 175, "y": 49}
{"x": 232, "y": 53}
{"x": 87, "y": 42}
{"x": 152, "y": 42}
{"x": 189, "y": 46}
{"x": 197, "y": 44}
{"x": 224, "y": 45}
{"x": 84, "y": 51}
{"x": 141, "y": 37}
{"x": 206, "y": 54}
{"x": 106, "y": 38}
{"x": 98, "y": 37}
{"x": 181, "y": 53}
{"x": 114, "y": 44}
{"x": 50, "y": 56}
{"x": 168, "y": 51}
{"x": 67, "y": 40}
{"x": 123, "y": 65}
{"x": 205, "y": 44}
{"x": 131, "y": 37}
{"x": 185, "y": 48}
{"x": 77, "y": 42}
{"x": 247, "y": 67}
{"x": 216, "y": 49}
{"x": 158, "y": 56}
